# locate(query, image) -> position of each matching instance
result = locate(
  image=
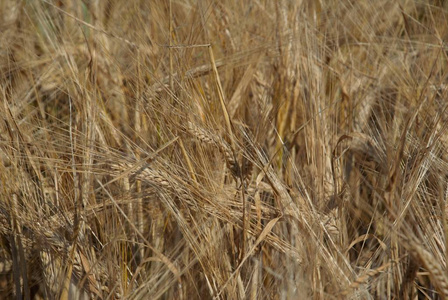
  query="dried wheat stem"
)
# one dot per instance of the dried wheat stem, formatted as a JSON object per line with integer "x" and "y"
{"x": 363, "y": 279}
{"x": 212, "y": 139}
{"x": 436, "y": 271}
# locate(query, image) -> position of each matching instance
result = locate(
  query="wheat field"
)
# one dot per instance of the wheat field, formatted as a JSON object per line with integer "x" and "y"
{"x": 205, "y": 149}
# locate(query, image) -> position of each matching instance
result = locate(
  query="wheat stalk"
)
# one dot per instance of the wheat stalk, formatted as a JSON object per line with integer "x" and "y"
{"x": 53, "y": 250}
{"x": 212, "y": 139}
